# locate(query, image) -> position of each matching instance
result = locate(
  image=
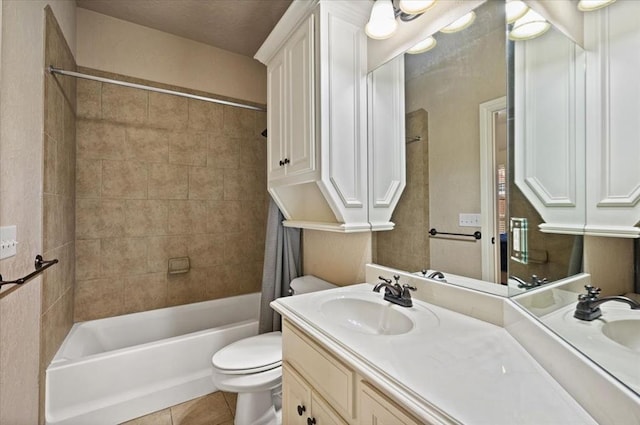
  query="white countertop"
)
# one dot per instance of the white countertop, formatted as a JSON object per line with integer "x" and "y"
{"x": 471, "y": 371}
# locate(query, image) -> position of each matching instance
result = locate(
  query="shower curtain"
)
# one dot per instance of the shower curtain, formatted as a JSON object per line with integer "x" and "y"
{"x": 282, "y": 264}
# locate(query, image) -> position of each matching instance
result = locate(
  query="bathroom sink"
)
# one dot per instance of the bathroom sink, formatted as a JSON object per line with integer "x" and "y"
{"x": 367, "y": 316}
{"x": 624, "y": 332}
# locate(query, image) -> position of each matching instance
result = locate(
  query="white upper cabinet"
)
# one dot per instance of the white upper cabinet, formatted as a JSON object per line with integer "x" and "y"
{"x": 549, "y": 145}
{"x": 612, "y": 40}
{"x": 318, "y": 166}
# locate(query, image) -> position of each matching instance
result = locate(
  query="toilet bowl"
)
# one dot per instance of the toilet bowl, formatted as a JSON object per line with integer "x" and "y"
{"x": 252, "y": 367}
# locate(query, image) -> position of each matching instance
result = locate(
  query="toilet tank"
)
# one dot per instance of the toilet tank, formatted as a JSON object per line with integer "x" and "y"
{"x": 308, "y": 283}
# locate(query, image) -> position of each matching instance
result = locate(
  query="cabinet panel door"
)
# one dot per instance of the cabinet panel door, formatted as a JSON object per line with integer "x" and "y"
{"x": 300, "y": 75}
{"x": 275, "y": 117}
{"x": 296, "y": 398}
{"x": 322, "y": 413}
{"x": 377, "y": 410}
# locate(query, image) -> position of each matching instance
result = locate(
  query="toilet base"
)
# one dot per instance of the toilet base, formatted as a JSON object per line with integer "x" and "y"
{"x": 256, "y": 408}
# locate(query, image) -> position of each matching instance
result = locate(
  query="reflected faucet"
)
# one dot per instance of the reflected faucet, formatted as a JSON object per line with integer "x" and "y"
{"x": 533, "y": 283}
{"x": 588, "y": 307}
{"x": 395, "y": 293}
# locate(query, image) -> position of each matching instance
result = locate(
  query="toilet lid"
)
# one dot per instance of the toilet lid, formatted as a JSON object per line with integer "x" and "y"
{"x": 250, "y": 355}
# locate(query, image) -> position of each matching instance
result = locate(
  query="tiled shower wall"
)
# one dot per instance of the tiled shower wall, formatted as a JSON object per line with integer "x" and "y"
{"x": 406, "y": 247}
{"x": 158, "y": 177}
{"x": 58, "y": 197}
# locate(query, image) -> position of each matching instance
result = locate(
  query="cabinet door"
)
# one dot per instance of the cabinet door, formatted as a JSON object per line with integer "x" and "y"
{"x": 377, "y": 410}
{"x": 300, "y": 112}
{"x": 322, "y": 414}
{"x": 612, "y": 38}
{"x": 296, "y": 398}
{"x": 275, "y": 117}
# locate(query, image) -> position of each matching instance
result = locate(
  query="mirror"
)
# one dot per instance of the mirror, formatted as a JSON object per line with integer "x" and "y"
{"x": 459, "y": 173}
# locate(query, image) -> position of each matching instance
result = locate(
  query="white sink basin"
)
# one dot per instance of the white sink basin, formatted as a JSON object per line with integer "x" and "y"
{"x": 367, "y": 316}
{"x": 624, "y": 332}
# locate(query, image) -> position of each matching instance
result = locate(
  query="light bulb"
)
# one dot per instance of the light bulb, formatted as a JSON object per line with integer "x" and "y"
{"x": 423, "y": 46}
{"x": 515, "y": 9}
{"x": 460, "y": 23}
{"x": 382, "y": 22}
{"x": 589, "y": 5}
{"x": 530, "y": 26}
{"x": 415, "y": 7}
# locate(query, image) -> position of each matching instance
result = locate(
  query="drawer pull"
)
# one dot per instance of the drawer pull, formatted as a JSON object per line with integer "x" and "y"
{"x": 301, "y": 410}
{"x": 311, "y": 421}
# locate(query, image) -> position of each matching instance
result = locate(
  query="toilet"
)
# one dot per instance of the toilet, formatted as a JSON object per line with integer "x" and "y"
{"x": 252, "y": 367}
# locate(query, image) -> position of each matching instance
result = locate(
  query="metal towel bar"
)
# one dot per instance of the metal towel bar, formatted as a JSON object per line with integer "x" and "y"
{"x": 476, "y": 235}
{"x": 40, "y": 265}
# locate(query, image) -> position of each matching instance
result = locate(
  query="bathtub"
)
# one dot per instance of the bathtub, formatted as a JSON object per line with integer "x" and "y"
{"x": 108, "y": 371}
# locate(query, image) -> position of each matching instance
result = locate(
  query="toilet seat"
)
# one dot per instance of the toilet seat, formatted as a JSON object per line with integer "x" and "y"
{"x": 250, "y": 355}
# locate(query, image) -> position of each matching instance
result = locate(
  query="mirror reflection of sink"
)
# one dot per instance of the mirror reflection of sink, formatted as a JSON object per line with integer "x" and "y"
{"x": 367, "y": 317}
{"x": 624, "y": 332}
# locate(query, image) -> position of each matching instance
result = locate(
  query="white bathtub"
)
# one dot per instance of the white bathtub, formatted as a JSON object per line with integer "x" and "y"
{"x": 112, "y": 370}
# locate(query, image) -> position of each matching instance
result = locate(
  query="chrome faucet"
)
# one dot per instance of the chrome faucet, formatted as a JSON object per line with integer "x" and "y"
{"x": 533, "y": 283}
{"x": 395, "y": 293}
{"x": 588, "y": 307}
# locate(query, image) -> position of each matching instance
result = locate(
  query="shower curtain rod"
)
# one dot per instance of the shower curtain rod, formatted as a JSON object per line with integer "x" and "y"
{"x": 53, "y": 70}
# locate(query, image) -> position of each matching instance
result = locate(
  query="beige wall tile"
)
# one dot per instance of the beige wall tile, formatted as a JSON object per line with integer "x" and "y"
{"x": 56, "y": 322}
{"x": 164, "y": 247}
{"x": 261, "y": 124}
{"x": 244, "y": 184}
{"x": 145, "y": 292}
{"x": 188, "y": 287}
{"x": 206, "y": 250}
{"x": 54, "y": 219}
{"x": 53, "y": 108}
{"x": 124, "y": 179}
{"x": 123, "y": 256}
{"x": 239, "y": 247}
{"x": 50, "y": 165}
{"x": 224, "y": 216}
{"x": 124, "y": 104}
{"x": 166, "y": 111}
{"x": 253, "y": 151}
{"x": 98, "y": 298}
{"x": 88, "y": 178}
{"x": 241, "y": 278}
{"x": 97, "y": 218}
{"x": 205, "y": 116}
{"x": 66, "y": 155}
{"x": 187, "y": 217}
{"x": 167, "y": 181}
{"x": 147, "y": 144}
{"x": 145, "y": 217}
{"x": 188, "y": 148}
{"x": 205, "y": 183}
{"x": 88, "y": 259}
{"x": 99, "y": 140}
{"x": 89, "y": 100}
{"x": 224, "y": 152}
{"x": 239, "y": 122}
{"x": 208, "y": 410}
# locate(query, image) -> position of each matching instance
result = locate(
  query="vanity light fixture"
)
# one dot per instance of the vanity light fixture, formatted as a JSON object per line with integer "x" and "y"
{"x": 382, "y": 21}
{"x": 460, "y": 23}
{"x": 514, "y": 10}
{"x": 590, "y": 5}
{"x": 423, "y": 46}
{"x": 531, "y": 25}
{"x": 415, "y": 7}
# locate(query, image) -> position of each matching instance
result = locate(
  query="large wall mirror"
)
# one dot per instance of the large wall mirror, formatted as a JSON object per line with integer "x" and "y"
{"x": 496, "y": 142}
{"x": 459, "y": 98}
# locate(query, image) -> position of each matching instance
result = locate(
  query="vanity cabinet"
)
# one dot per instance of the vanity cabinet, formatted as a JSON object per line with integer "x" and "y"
{"x": 612, "y": 40}
{"x": 318, "y": 388}
{"x": 318, "y": 167}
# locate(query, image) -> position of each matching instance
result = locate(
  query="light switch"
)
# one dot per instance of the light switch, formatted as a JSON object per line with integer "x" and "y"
{"x": 8, "y": 241}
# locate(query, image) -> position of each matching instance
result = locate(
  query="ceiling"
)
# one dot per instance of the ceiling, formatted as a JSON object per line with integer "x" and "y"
{"x": 239, "y": 26}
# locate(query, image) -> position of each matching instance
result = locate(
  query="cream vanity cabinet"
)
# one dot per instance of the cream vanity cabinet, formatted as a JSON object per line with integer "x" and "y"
{"x": 320, "y": 389}
{"x": 316, "y": 59}
{"x": 612, "y": 40}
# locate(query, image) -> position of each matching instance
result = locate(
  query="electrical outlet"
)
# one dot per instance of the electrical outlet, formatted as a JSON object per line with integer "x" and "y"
{"x": 469, "y": 220}
{"x": 8, "y": 241}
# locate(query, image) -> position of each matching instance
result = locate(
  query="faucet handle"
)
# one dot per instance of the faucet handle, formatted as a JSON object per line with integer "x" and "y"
{"x": 592, "y": 292}
{"x": 384, "y": 280}
{"x": 424, "y": 272}
{"x": 406, "y": 290}
{"x": 397, "y": 278}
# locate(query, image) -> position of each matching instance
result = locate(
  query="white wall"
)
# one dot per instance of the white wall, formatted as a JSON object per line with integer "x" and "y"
{"x": 113, "y": 45}
{"x": 21, "y": 150}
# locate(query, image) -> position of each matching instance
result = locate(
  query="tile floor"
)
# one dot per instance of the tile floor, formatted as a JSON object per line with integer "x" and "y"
{"x": 213, "y": 409}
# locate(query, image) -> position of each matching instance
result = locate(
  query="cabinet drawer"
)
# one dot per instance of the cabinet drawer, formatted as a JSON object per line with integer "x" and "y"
{"x": 334, "y": 381}
{"x": 377, "y": 409}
